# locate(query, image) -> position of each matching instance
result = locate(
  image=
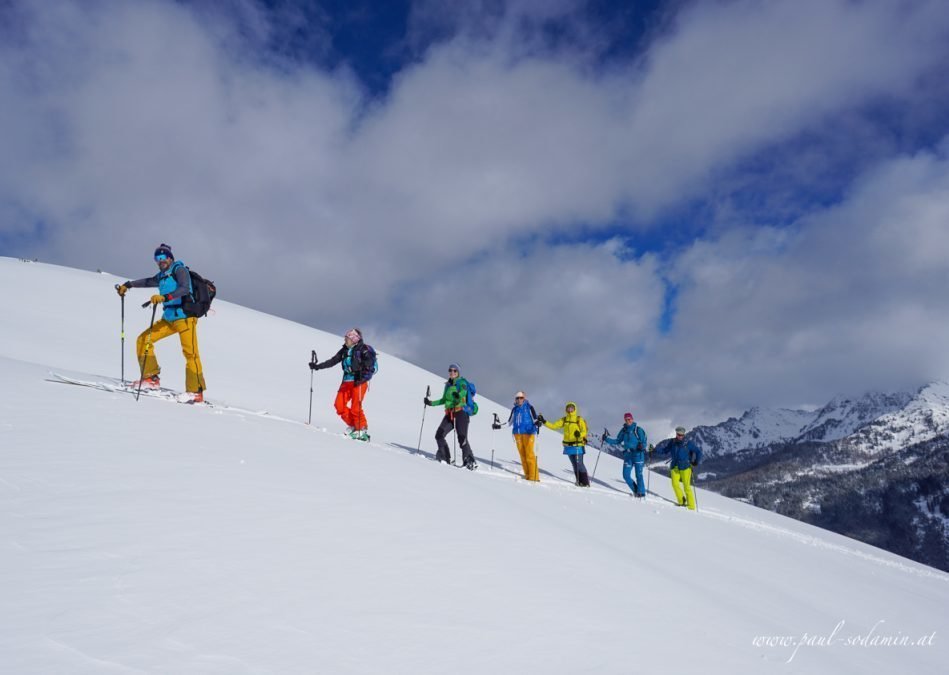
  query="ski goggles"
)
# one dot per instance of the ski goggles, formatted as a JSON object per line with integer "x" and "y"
{"x": 160, "y": 257}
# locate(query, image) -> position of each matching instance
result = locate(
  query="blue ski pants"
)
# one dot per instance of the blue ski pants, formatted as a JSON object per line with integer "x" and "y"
{"x": 639, "y": 485}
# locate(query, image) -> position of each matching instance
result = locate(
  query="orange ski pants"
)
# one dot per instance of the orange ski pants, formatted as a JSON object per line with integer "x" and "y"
{"x": 349, "y": 404}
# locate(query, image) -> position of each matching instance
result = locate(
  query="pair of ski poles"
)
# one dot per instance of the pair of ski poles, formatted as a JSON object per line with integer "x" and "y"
{"x": 148, "y": 343}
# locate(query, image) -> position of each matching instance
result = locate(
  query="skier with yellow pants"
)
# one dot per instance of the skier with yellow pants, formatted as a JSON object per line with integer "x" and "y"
{"x": 524, "y": 422}
{"x": 684, "y": 455}
{"x": 174, "y": 284}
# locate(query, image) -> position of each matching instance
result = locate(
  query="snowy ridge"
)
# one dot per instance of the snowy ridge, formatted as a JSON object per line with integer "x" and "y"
{"x": 924, "y": 417}
{"x": 872, "y": 423}
{"x": 757, "y": 428}
{"x": 154, "y": 537}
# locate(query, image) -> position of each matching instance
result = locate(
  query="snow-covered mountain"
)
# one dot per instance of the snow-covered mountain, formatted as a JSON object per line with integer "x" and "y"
{"x": 874, "y": 468}
{"x": 873, "y": 423}
{"x": 153, "y": 537}
{"x": 757, "y": 428}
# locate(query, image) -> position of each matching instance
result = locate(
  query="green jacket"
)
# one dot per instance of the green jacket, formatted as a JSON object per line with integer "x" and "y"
{"x": 454, "y": 396}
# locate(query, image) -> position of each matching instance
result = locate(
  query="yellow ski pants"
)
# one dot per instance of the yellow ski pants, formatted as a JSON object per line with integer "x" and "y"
{"x": 525, "y": 447}
{"x": 187, "y": 330}
{"x": 683, "y": 476}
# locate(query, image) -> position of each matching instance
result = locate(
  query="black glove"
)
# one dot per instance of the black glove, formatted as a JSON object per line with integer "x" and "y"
{"x": 640, "y": 448}
{"x": 540, "y": 418}
{"x": 427, "y": 400}
{"x": 314, "y": 365}
{"x": 694, "y": 463}
{"x": 576, "y": 434}
{"x": 495, "y": 426}
{"x": 455, "y": 396}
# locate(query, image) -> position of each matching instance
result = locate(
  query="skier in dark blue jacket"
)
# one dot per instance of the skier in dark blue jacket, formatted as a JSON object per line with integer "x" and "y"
{"x": 632, "y": 439}
{"x": 684, "y": 455}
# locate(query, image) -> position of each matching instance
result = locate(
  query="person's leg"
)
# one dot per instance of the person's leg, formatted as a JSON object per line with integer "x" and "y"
{"x": 627, "y": 476}
{"x": 187, "y": 330}
{"x": 676, "y": 480}
{"x": 687, "y": 484}
{"x": 461, "y": 428}
{"x": 343, "y": 397}
{"x": 443, "y": 453}
{"x": 161, "y": 329}
{"x": 584, "y": 477}
{"x": 356, "y": 412}
{"x": 532, "y": 471}
{"x": 519, "y": 442}
{"x": 640, "y": 483}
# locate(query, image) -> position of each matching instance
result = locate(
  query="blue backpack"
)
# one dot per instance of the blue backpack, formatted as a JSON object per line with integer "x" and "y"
{"x": 471, "y": 407}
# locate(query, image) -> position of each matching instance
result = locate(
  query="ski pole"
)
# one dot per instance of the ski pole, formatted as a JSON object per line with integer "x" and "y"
{"x": 648, "y": 468}
{"x": 148, "y": 346}
{"x": 454, "y": 438}
{"x": 695, "y": 492}
{"x": 599, "y": 451}
{"x": 313, "y": 361}
{"x": 122, "y": 334}
{"x": 494, "y": 425}
{"x": 428, "y": 394}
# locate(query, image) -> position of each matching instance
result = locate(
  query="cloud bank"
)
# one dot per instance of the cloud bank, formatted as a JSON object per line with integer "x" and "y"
{"x": 500, "y": 204}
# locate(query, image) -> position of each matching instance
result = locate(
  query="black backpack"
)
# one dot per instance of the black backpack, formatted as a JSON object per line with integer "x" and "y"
{"x": 198, "y": 302}
{"x": 368, "y": 362}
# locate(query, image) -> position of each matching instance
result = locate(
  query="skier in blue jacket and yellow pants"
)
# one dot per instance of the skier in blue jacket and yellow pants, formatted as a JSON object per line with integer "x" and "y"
{"x": 684, "y": 455}
{"x": 174, "y": 284}
{"x": 632, "y": 439}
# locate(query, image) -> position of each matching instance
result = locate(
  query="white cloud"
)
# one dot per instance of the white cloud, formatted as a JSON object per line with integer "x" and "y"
{"x": 130, "y": 124}
{"x": 850, "y": 299}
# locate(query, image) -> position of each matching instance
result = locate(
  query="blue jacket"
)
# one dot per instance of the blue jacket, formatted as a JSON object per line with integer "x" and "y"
{"x": 632, "y": 438}
{"x": 167, "y": 284}
{"x": 682, "y": 453}
{"x": 523, "y": 419}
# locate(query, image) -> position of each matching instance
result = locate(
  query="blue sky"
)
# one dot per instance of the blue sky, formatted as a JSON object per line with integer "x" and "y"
{"x": 680, "y": 208}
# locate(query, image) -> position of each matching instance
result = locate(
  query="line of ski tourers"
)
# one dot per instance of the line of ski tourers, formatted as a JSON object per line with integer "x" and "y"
{"x": 186, "y": 296}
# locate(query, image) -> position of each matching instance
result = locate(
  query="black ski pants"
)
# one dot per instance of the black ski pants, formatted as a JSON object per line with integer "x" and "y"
{"x": 459, "y": 422}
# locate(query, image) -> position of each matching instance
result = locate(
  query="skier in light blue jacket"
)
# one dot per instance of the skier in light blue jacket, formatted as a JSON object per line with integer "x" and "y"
{"x": 632, "y": 439}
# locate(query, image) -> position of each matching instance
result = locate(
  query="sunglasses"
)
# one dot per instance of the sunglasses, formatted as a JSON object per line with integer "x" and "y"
{"x": 518, "y": 398}
{"x": 452, "y": 370}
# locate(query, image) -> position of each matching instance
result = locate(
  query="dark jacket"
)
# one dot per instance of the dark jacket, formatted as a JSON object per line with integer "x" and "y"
{"x": 357, "y": 363}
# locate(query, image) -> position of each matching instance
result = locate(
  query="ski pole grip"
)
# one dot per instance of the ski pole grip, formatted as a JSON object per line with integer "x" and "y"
{"x": 428, "y": 391}
{"x": 146, "y": 304}
{"x": 313, "y": 356}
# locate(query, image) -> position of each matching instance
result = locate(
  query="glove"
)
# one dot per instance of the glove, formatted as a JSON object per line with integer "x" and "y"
{"x": 541, "y": 419}
{"x": 694, "y": 463}
{"x": 640, "y": 448}
{"x": 427, "y": 400}
{"x": 495, "y": 426}
{"x": 576, "y": 434}
{"x": 455, "y": 396}
{"x": 313, "y": 365}
{"x": 157, "y": 298}
{"x": 122, "y": 289}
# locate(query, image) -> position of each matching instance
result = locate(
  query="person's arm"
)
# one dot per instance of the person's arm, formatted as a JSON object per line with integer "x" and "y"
{"x": 440, "y": 401}
{"x": 555, "y": 425}
{"x": 583, "y": 429}
{"x": 329, "y": 363}
{"x": 147, "y": 282}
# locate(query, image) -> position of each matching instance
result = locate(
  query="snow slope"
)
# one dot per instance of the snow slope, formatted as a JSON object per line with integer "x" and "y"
{"x": 152, "y": 537}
